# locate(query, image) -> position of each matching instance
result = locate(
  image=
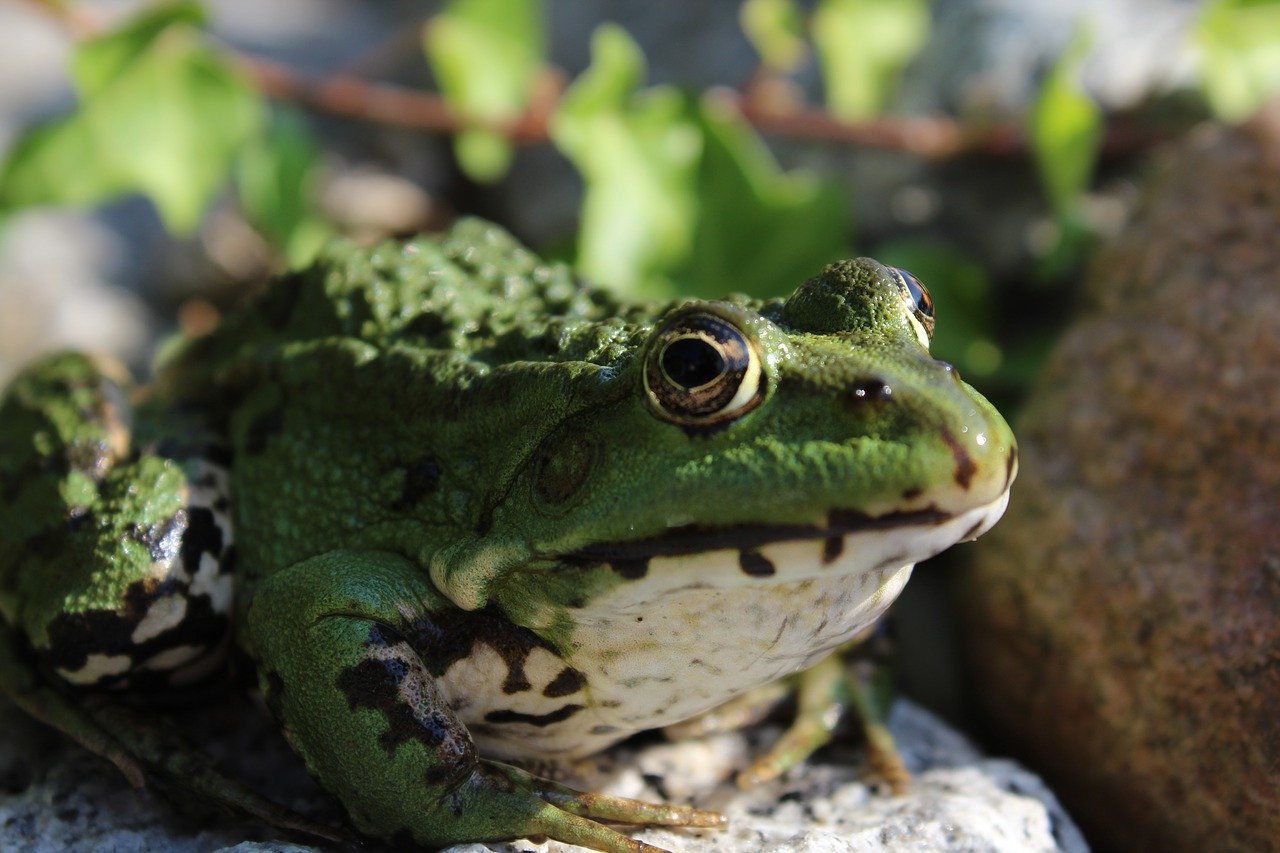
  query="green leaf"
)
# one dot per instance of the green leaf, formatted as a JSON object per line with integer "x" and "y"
{"x": 486, "y": 55}
{"x": 758, "y": 230}
{"x": 164, "y": 118}
{"x": 1066, "y": 129}
{"x": 682, "y": 196}
{"x": 1240, "y": 47}
{"x": 775, "y": 29}
{"x": 863, "y": 45}
{"x": 99, "y": 61}
{"x": 638, "y": 156}
{"x": 276, "y": 176}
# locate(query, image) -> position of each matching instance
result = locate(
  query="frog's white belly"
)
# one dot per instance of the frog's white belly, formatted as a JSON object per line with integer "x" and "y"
{"x": 692, "y": 633}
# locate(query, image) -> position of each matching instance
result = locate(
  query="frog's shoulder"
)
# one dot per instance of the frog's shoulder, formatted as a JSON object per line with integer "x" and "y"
{"x": 472, "y": 291}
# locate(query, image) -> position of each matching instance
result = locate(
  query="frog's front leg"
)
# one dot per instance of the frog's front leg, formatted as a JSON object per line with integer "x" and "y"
{"x": 338, "y": 640}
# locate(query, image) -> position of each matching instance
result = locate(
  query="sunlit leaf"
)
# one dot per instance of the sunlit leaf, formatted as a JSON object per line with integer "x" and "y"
{"x": 1066, "y": 129}
{"x": 1240, "y": 45}
{"x": 638, "y": 156}
{"x": 776, "y": 30}
{"x": 163, "y": 117}
{"x": 276, "y": 176}
{"x": 681, "y": 195}
{"x": 758, "y": 230}
{"x": 99, "y": 61}
{"x": 863, "y": 46}
{"x": 486, "y": 55}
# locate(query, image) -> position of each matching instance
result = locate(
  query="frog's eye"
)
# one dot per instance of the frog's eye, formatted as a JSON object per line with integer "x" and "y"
{"x": 917, "y": 297}
{"x": 702, "y": 370}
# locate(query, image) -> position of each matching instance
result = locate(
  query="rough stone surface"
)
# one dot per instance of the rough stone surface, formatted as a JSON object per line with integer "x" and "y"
{"x": 54, "y": 796}
{"x": 1123, "y": 616}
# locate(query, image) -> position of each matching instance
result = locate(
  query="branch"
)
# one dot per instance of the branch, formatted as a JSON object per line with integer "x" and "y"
{"x": 931, "y": 137}
{"x": 355, "y": 97}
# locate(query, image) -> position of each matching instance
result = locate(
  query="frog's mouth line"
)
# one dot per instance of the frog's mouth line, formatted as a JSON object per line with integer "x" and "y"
{"x": 699, "y": 539}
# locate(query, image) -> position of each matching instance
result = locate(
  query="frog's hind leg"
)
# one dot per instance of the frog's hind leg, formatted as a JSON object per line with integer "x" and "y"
{"x": 115, "y": 574}
{"x": 119, "y": 559}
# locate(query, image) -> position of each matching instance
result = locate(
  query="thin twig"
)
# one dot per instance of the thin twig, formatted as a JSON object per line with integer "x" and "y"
{"x": 356, "y": 97}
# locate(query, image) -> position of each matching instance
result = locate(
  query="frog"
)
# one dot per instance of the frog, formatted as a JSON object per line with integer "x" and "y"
{"x": 462, "y": 513}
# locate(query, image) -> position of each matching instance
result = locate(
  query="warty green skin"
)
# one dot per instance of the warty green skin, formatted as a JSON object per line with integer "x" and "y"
{"x": 434, "y": 449}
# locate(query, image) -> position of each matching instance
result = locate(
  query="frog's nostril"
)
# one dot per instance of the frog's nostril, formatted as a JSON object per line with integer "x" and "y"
{"x": 950, "y": 368}
{"x": 870, "y": 391}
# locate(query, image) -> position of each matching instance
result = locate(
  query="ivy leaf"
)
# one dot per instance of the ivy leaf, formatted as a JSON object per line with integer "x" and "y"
{"x": 775, "y": 29}
{"x": 863, "y": 45}
{"x": 638, "y": 156}
{"x": 100, "y": 61}
{"x": 276, "y": 176}
{"x": 681, "y": 195}
{"x": 160, "y": 113}
{"x": 486, "y": 55}
{"x": 1066, "y": 129}
{"x": 1240, "y": 46}
{"x": 758, "y": 230}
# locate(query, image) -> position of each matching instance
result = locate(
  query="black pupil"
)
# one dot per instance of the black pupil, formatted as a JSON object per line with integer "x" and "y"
{"x": 919, "y": 295}
{"x": 692, "y": 362}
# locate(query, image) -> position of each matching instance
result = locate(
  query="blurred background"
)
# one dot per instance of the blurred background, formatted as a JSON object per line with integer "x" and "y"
{"x": 159, "y": 160}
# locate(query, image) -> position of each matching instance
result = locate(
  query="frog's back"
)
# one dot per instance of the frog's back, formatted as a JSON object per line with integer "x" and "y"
{"x": 473, "y": 292}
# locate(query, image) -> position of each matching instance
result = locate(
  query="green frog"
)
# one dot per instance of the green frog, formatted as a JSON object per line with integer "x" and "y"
{"x": 463, "y": 512}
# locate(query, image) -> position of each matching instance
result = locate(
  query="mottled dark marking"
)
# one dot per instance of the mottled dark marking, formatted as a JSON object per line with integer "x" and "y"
{"x": 756, "y": 565}
{"x": 697, "y": 539}
{"x": 973, "y": 531}
{"x": 1009, "y": 467}
{"x": 631, "y": 569}
{"x": 568, "y": 681}
{"x": 263, "y": 428}
{"x": 441, "y": 639}
{"x": 540, "y": 720}
{"x": 203, "y": 536}
{"x": 832, "y": 548}
{"x": 965, "y": 467}
{"x": 375, "y": 684}
{"x": 603, "y": 729}
{"x": 421, "y": 478}
{"x": 912, "y": 493}
{"x": 73, "y": 637}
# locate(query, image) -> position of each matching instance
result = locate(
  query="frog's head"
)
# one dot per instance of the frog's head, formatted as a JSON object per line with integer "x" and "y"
{"x": 753, "y": 443}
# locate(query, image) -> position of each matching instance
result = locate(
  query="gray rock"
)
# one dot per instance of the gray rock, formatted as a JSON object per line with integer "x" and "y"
{"x": 55, "y": 796}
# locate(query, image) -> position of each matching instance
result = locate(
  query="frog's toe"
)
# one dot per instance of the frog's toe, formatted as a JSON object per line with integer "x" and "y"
{"x": 572, "y": 816}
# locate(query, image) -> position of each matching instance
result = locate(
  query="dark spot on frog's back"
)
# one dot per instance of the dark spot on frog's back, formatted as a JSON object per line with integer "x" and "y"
{"x": 427, "y": 325}
{"x": 421, "y": 478}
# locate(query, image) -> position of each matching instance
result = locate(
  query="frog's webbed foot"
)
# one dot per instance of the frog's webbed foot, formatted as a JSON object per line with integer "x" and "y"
{"x": 824, "y": 695}
{"x": 574, "y": 817}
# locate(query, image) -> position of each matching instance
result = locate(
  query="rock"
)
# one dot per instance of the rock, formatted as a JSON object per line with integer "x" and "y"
{"x": 1122, "y": 618}
{"x": 56, "y": 291}
{"x": 55, "y": 796}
